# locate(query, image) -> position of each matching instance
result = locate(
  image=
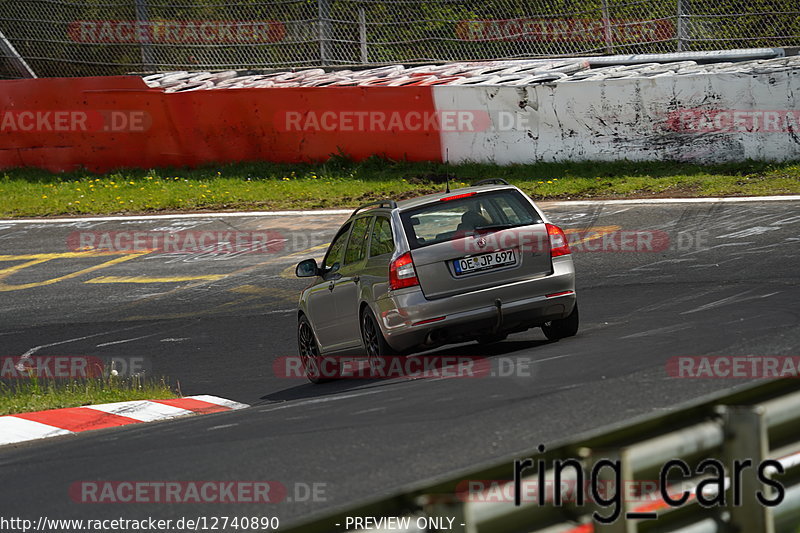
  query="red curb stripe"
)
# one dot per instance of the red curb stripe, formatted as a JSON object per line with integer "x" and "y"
{"x": 197, "y": 406}
{"x": 77, "y": 419}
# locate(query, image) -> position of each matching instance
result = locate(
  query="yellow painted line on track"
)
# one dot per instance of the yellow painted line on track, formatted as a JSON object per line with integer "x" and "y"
{"x": 36, "y": 259}
{"x": 595, "y": 232}
{"x": 64, "y": 255}
{"x": 147, "y": 279}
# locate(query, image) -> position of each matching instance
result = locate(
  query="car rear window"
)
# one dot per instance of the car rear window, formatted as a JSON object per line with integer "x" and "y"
{"x": 442, "y": 221}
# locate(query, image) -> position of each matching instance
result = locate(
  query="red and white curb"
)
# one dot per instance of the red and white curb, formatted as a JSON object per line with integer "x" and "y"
{"x": 42, "y": 424}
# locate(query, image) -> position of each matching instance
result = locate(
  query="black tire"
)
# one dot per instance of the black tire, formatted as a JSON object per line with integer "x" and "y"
{"x": 565, "y": 327}
{"x": 310, "y": 357}
{"x": 375, "y": 344}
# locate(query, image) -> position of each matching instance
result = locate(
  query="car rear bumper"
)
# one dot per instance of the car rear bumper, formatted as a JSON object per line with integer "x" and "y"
{"x": 409, "y": 320}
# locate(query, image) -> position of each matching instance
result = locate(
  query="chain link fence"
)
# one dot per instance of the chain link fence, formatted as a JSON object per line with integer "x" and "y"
{"x": 105, "y": 37}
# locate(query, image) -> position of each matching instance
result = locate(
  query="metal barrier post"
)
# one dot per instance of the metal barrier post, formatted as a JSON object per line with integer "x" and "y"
{"x": 324, "y": 22}
{"x": 607, "y": 28}
{"x": 362, "y": 34}
{"x": 679, "y": 29}
{"x": 746, "y": 439}
{"x": 143, "y": 20}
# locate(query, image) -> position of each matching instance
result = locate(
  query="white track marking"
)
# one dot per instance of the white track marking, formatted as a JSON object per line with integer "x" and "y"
{"x": 736, "y": 298}
{"x": 37, "y": 348}
{"x": 125, "y": 340}
{"x": 223, "y": 426}
{"x": 749, "y": 232}
{"x": 554, "y": 358}
{"x": 327, "y": 399}
{"x": 657, "y": 331}
{"x": 181, "y": 215}
{"x": 788, "y": 198}
{"x": 27, "y": 355}
{"x": 731, "y": 199}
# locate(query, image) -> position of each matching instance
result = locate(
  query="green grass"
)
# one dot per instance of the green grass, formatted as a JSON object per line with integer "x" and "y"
{"x": 343, "y": 183}
{"x": 25, "y": 395}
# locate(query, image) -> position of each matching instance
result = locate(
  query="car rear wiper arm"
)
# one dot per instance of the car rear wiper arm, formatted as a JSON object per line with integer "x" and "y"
{"x": 496, "y": 227}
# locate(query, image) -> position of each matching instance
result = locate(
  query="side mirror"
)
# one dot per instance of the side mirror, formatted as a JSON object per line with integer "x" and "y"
{"x": 307, "y": 269}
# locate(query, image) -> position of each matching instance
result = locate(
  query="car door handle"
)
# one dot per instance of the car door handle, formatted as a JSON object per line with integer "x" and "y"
{"x": 356, "y": 279}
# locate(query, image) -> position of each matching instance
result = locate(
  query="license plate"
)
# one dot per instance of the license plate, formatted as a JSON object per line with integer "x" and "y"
{"x": 476, "y": 263}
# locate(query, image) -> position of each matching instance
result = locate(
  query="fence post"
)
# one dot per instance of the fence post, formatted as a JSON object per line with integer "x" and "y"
{"x": 607, "y": 27}
{"x": 362, "y": 34}
{"x": 746, "y": 438}
{"x": 324, "y": 20}
{"x": 143, "y": 21}
{"x": 679, "y": 27}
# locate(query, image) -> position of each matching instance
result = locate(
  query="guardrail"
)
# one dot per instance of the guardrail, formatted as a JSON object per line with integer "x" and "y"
{"x": 760, "y": 423}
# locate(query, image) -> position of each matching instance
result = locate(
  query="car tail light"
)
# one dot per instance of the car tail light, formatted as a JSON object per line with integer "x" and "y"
{"x": 558, "y": 241}
{"x": 457, "y": 196}
{"x": 402, "y": 273}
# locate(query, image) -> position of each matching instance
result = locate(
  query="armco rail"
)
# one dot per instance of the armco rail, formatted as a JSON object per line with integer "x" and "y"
{"x": 755, "y": 422}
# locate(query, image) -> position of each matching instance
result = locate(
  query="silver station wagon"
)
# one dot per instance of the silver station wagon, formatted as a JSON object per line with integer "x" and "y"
{"x": 476, "y": 263}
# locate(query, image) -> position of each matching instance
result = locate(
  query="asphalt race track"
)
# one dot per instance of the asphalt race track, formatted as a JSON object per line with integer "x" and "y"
{"x": 727, "y": 284}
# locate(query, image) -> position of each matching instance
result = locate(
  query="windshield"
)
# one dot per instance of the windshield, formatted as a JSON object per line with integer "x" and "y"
{"x": 445, "y": 220}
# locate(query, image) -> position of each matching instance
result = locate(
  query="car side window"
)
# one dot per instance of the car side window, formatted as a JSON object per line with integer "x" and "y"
{"x": 382, "y": 241}
{"x": 357, "y": 245}
{"x": 333, "y": 259}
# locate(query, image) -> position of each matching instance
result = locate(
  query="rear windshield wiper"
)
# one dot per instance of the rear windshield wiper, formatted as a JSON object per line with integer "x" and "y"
{"x": 496, "y": 227}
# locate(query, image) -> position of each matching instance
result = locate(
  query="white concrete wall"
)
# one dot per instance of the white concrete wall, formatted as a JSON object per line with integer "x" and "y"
{"x": 631, "y": 118}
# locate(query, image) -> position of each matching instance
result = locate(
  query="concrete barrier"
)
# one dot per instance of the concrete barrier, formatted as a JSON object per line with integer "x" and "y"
{"x": 701, "y": 118}
{"x": 503, "y": 112}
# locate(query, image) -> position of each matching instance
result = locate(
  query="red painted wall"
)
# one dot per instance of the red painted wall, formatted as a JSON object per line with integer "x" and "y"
{"x": 103, "y": 123}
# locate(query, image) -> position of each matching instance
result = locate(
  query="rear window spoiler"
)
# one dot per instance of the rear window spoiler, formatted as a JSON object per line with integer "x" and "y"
{"x": 391, "y": 204}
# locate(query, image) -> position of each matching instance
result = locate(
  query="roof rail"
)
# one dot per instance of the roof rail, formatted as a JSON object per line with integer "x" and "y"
{"x": 391, "y": 204}
{"x": 490, "y": 181}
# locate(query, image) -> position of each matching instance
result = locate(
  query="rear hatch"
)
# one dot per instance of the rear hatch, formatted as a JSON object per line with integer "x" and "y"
{"x": 472, "y": 241}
